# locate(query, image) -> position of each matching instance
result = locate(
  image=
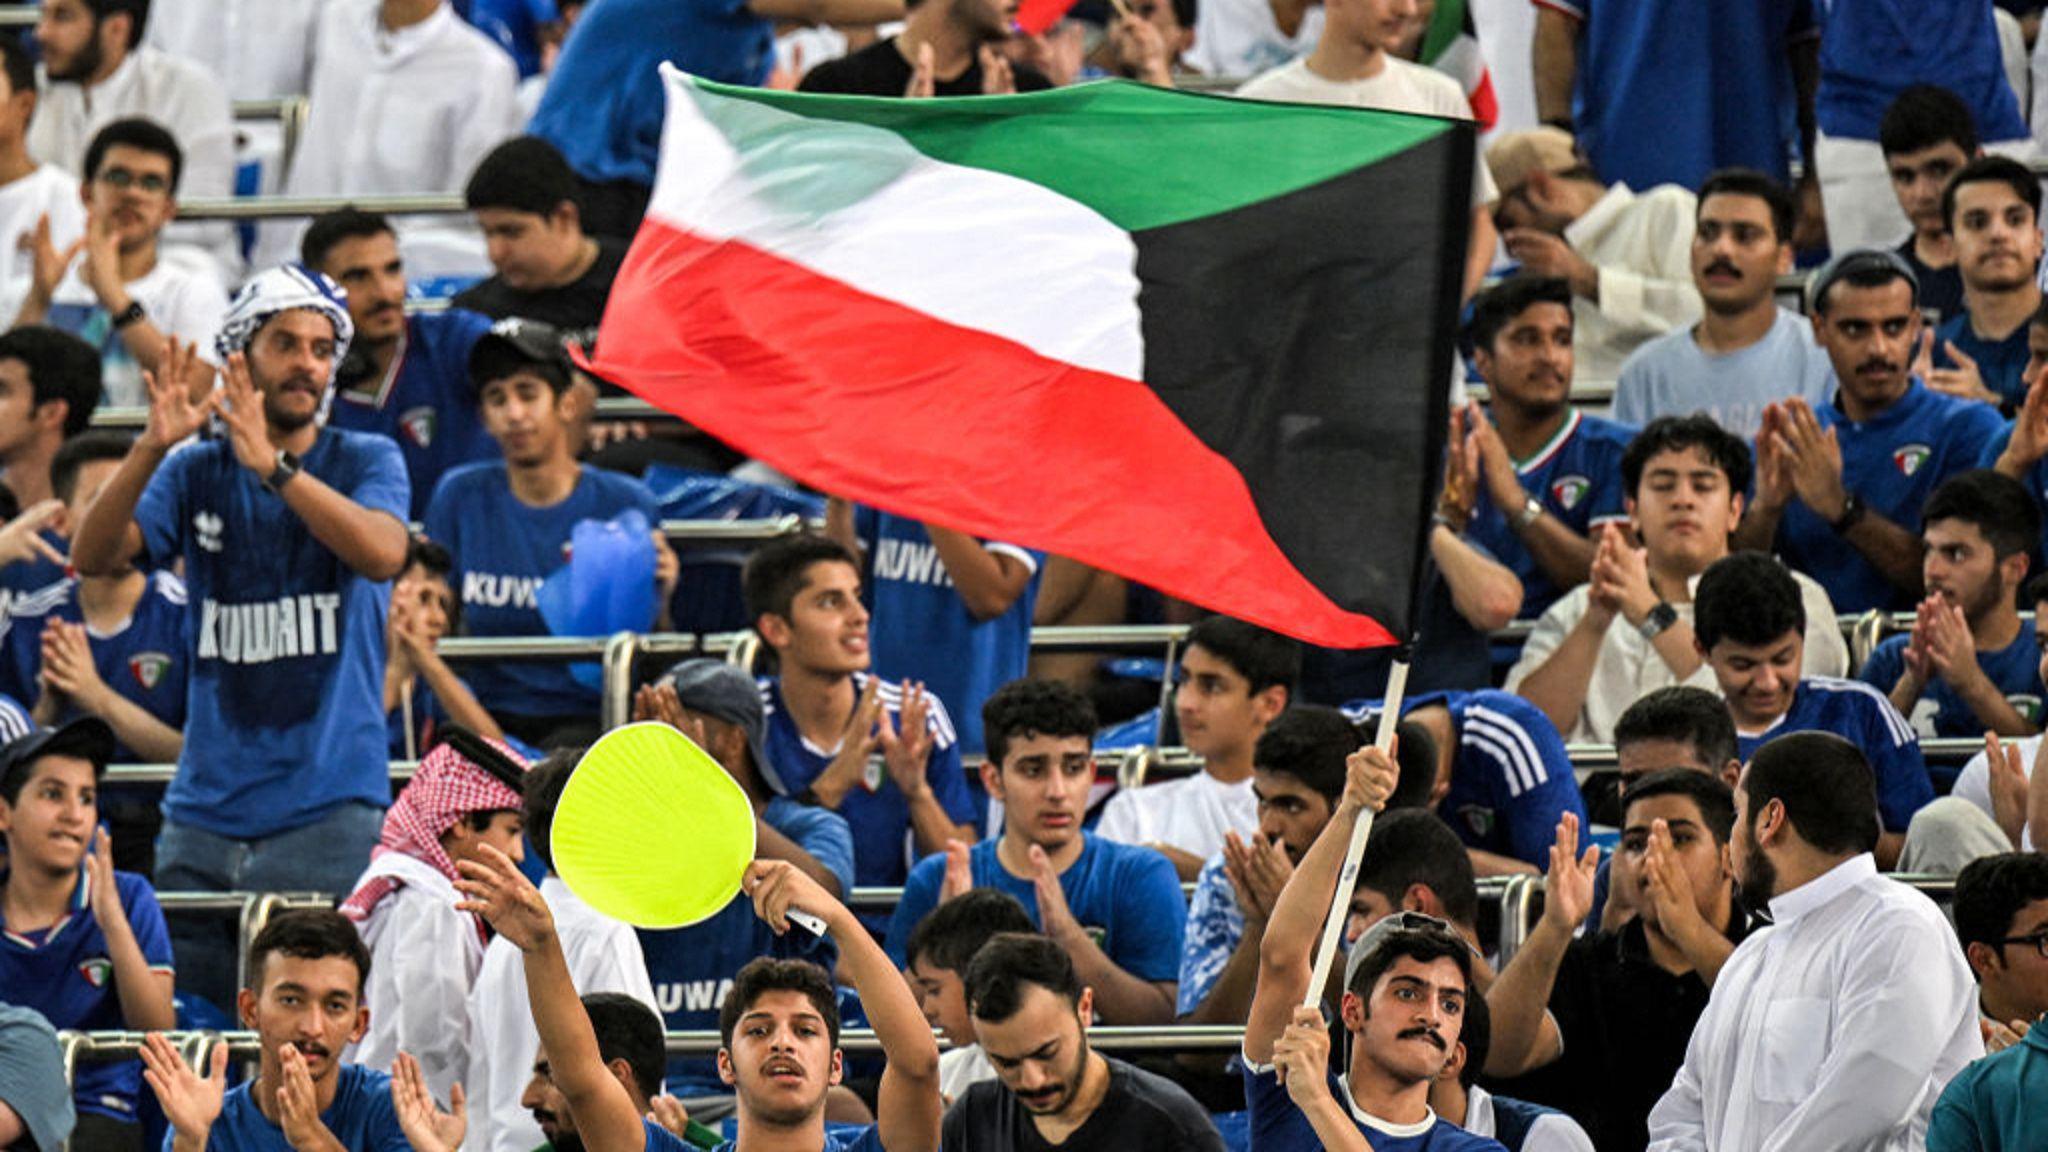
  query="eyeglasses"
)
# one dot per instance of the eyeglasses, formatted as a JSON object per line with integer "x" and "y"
{"x": 2038, "y": 939}
{"x": 123, "y": 179}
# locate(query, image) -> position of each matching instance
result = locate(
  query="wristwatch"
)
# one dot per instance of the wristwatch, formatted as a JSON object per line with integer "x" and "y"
{"x": 1532, "y": 511}
{"x": 132, "y": 314}
{"x": 1656, "y": 620}
{"x": 287, "y": 467}
{"x": 1852, "y": 514}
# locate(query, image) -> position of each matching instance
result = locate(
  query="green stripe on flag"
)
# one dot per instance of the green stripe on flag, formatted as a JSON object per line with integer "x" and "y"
{"x": 1446, "y": 24}
{"x": 1140, "y": 156}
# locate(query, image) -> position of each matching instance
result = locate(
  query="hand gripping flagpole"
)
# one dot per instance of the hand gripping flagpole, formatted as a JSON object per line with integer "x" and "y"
{"x": 1340, "y": 900}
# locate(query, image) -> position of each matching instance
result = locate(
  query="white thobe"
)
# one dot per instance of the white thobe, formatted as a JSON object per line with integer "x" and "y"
{"x": 1642, "y": 246}
{"x": 424, "y": 956}
{"x": 260, "y": 49}
{"x": 604, "y": 956}
{"x": 1837, "y": 1028}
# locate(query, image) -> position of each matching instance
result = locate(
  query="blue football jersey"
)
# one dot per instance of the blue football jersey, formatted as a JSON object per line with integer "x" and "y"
{"x": 144, "y": 661}
{"x": 1863, "y": 716}
{"x": 425, "y": 402}
{"x": 1577, "y": 476}
{"x": 2015, "y": 669}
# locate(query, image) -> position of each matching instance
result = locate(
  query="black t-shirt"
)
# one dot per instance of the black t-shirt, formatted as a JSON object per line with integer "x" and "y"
{"x": 1625, "y": 1024}
{"x": 1941, "y": 289}
{"x": 1141, "y": 1112}
{"x": 880, "y": 70}
{"x": 575, "y": 307}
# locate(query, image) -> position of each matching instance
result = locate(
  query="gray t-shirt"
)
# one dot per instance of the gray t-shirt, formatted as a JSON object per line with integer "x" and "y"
{"x": 1673, "y": 376}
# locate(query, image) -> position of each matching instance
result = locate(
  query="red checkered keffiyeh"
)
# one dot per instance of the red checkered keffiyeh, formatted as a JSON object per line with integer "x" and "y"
{"x": 446, "y": 788}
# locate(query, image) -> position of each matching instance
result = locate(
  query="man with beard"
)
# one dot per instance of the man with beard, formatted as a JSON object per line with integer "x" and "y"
{"x": 946, "y": 48}
{"x": 629, "y": 1041}
{"x": 1031, "y": 1017}
{"x": 1622, "y": 252}
{"x": 1746, "y": 351}
{"x": 1971, "y": 663}
{"x": 96, "y": 70}
{"x": 779, "y": 1027}
{"x": 1992, "y": 208}
{"x": 1838, "y": 1026}
{"x": 1839, "y": 486}
{"x": 290, "y": 534}
{"x": 406, "y": 376}
{"x": 1546, "y": 475}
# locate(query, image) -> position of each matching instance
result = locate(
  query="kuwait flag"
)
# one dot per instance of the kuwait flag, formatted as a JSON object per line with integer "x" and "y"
{"x": 1204, "y": 343}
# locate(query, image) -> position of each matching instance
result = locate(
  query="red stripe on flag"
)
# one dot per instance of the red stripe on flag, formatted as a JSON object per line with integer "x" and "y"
{"x": 1035, "y": 16}
{"x": 867, "y": 399}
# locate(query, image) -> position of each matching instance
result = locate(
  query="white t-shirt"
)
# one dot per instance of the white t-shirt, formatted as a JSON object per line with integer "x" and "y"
{"x": 1401, "y": 86}
{"x": 961, "y": 1069}
{"x": 181, "y": 302}
{"x": 47, "y": 191}
{"x": 1190, "y": 814}
{"x": 1241, "y": 38}
{"x": 1974, "y": 782}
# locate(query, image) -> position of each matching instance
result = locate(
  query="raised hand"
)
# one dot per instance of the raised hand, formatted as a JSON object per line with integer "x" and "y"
{"x": 68, "y": 666}
{"x": 857, "y": 742}
{"x": 298, "y": 1105}
{"x": 1496, "y": 467}
{"x": 1568, "y": 885}
{"x": 907, "y": 744}
{"x": 669, "y": 1112}
{"x": 2007, "y": 771}
{"x": 173, "y": 415}
{"x": 47, "y": 264}
{"x": 1140, "y": 48}
{"x": 426, "y": 1127}
{"x": 1923, "y": 355}
{"x": 1964, "y": 381}
{"x": 1257, "y": 870}
{"x": 1055, "y": 917}
{"x": 1815, "y": 461}
{"x": 101, "y": 270}
{"x": 493, "y": 887}
{"x": 959, "y": 871}
{"x": 22, "y": 537}
{"x": 2029, "y": 440}
{"x": 1370, "y": 776}
{"x": 99, "y": 876}
{"x": 781, "y": 891}
{"x": 1670, "y": 892}
{"x": 922, "y": 82}
{"x": 996, "y": 77}
{"x": 240, "y": 407}
{"x": 1773, "y": 466}
{"x": 1301, "y": 1056}
{"x": 191, "y": 1102}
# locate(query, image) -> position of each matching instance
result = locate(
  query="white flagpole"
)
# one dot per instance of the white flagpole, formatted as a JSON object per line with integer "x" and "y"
{"x": 1340, "y": 900}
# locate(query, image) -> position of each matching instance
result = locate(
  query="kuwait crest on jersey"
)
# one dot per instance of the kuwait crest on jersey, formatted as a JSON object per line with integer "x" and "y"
{"x": 1909, "y": 457}
{"x": 148, "y": 668}
{"x": 1569, "y": 490}
{"x": 98, "y": 971}
{"x": 418, "y": 424}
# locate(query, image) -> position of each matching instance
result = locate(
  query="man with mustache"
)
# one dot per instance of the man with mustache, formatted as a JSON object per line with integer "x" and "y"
{"x": 1992, "y": 208}
{"x": 1629, "y": 631}
{"x": 290, "y": 534}
{"x": 1840, "y": 486}
{"x": 1031, "y": 1015}
{"x": 406, "y": 377}
{"x": 1839, "y": 1025}
{"x": 1746, "y": 351}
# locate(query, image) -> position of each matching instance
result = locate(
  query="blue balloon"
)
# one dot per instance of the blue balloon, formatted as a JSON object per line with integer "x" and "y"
{"x": 607, "y": 586}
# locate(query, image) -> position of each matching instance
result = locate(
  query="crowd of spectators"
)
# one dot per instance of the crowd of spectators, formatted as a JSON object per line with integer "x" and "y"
{"x": 352, "y": 437}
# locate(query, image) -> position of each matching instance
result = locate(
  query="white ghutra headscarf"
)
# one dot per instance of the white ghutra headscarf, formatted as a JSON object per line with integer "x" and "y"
{"x": 282, "y": 289}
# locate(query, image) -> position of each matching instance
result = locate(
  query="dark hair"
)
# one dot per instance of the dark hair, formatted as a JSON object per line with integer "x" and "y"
{"x": 1991, "y": 890}
{"x": 1034, "y": 708}
{"x": 1496, "y": 308}
{"x": 1475, "y": 1032}
{"x": 1825, "y": 784}
{"x": 1924, "y": 115}
{"x": 1412, "y": 846}
{"x": 1747, "y": 597}
{"x": 2035, "y": 590}
{"x": 1422, "y": 945}
{"x": 60, "y": 367}
{"x": 2000, "y": 506}
{"x": 1750, "y": 182}
{"x": 492, "y": 360}
{"x": 138, "y": 9}
{"x": 79, "y": 451}
{"x": 433, "y": 559}
{"x": 949, "y": 935}
{"x": 1185, "y": 11}
{"x": 996, "y": 977}
{"x": 764, "y": 974}
{"x": 1859, "y": 268}
{"x": 778, "y": 570}
{"x": 1310, "y": 743}
{"x": 1697, "y": 432}
{"x": 138, "y": 133}
{"x": 545, "y": 780}
{"x": 1715, "y": 799}
{"x": 629, "y": 1030}
{"x": 1263, "y": 658}
{"x": 1992, "y": 170}
{"x": 524, "y": 174}
{"x": 17, "y": 63}
{"x": 329, "y": 229}
{"x": 1687, "y": 715}
{"x": 309, "y": 934}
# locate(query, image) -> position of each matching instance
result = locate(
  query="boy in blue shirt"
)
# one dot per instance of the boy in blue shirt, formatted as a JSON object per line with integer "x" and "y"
{"x": 421, "y": 692}
{"x": 779, "y": 1026}
{"x": 1992, "y": 209}
{"x": 508, "y": 525}
{"x": 719, "y": 707}
{"x": 49, "y": 386}
{"x": 1971, "y": 663}
{"x": 80, "y": 942}
{"x": 1405, "y": 986}
{"x": 1856, "y": 472}
{"x": 406, "y": 377}
{"x": 1546, "y": 475}
{"x": 827, "y": 715}
{"x": 1115, "y": 908}
{"x": 290, "y": 534}
{"x": 953, "y": 612}
{"x": 304, "y": 1002}
{"x": 1750, "y": 624}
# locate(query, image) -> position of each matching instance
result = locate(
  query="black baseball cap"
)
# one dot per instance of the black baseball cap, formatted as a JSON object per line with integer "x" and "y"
{"x": 515, "y": 344}
{"x": 87, "y": 738}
